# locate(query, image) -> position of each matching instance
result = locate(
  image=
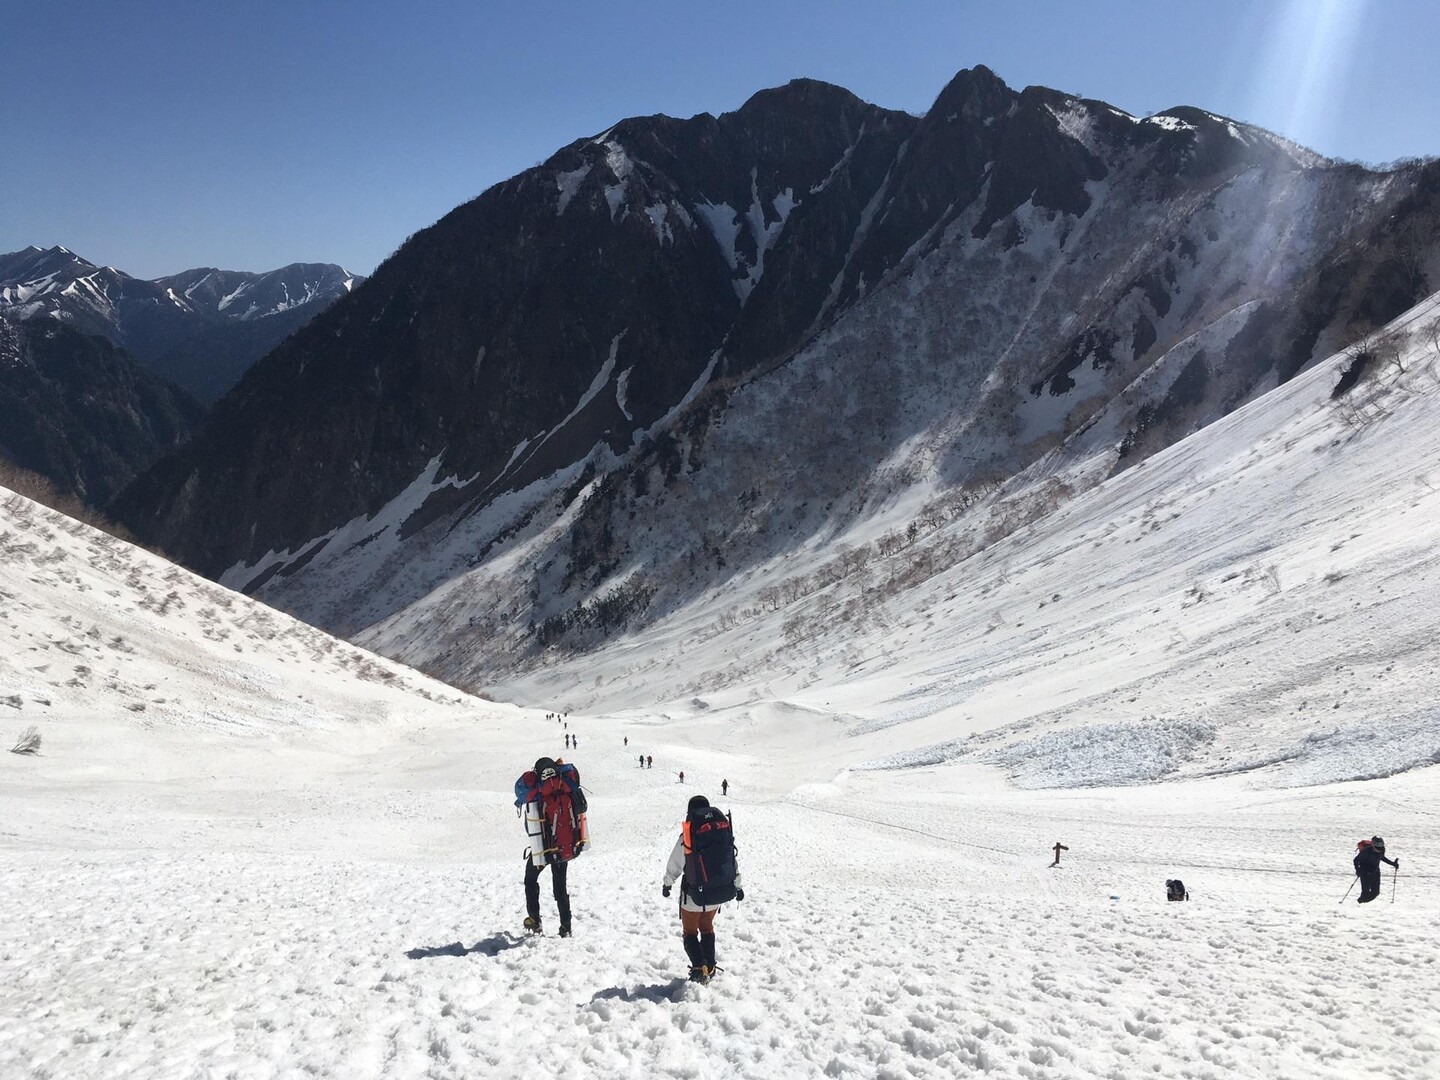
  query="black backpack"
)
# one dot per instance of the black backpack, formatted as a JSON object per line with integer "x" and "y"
{"x": 709, "y": 857}
{"x": 1175, "y": 890}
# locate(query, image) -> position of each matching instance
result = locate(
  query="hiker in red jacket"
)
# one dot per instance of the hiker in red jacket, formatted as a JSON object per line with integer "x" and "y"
{"x": 554, "y": 811}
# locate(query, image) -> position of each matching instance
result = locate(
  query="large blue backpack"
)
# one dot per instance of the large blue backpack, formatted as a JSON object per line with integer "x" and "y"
{"x": 709, "y": 843}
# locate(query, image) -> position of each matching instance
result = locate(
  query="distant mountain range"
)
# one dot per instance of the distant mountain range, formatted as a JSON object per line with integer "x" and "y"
{"x": 680, "y": 352}
{"x": 200, "y": 329}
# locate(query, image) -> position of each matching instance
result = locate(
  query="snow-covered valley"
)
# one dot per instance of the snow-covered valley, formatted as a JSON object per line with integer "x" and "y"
{"x": 246, "y": 849}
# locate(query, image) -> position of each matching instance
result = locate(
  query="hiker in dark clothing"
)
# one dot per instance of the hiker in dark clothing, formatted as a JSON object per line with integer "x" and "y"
{"x": 642, "y": 761}
{"x": 1369, "y": 855}
{"x": 724, "y": 787}
{"x": 649, "y": 761}
{"x": 703, "y": 861}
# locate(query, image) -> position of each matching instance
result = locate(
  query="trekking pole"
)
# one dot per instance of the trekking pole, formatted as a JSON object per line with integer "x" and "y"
{"x": 1394, "y": 879}
{"x": 1347, "y": 891}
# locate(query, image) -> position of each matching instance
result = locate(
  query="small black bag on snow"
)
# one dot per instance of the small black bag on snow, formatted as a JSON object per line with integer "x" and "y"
{"x": 709, "y": 857}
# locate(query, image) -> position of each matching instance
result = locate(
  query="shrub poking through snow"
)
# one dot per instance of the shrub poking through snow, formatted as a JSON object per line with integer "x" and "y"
{"x": 29, "y": 741}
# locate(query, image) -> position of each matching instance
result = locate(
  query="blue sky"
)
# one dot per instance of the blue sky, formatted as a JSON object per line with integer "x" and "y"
{"x": 157, "y": 136}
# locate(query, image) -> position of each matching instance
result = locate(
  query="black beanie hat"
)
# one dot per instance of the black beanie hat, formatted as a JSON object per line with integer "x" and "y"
{"x": 541, "y": 764}
{"x": 697, "y": 802}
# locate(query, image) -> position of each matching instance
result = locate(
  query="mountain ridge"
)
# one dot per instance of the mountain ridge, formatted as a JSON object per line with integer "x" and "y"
{"x": 82, "y": 412}
{"x": 652, "y": 361}
{"x": 190, "y": 327}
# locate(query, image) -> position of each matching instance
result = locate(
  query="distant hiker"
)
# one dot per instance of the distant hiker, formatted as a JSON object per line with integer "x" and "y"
{"x": 567, "y": 742}
{"x": 642, "y": 761}
{"x": 627, "y": 740}
{"x": 682, "y": 778}
{"x": 1369, "y": 855}
{"x": 554, "y": 809}
{"x": 1175, "y": 890}
{"x": 724, "y": 787}
{"x": 574, "y": 742}
{"x": 649, "y": 761}
{"x": 1059, "y": 847}
{"x": 704, "y": 860}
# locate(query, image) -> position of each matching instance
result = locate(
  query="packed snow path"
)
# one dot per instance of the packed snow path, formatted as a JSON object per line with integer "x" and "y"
{"x": 895, "y": 925}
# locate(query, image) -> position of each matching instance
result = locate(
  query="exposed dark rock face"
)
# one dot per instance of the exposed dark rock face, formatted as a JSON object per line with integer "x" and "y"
{"x": 83, "y": 413}
{"x": 200, "y": 329}
{"x": 678, "y": 348}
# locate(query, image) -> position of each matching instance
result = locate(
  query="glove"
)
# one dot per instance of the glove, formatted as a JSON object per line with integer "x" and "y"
{"x": 665, "y": 890}
{"x": 739, "y": 894}
{"x": 1397, "y": 864}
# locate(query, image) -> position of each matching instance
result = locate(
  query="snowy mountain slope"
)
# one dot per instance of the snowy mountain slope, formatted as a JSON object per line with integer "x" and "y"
{"x": 201, "y": 329}
{"x": 1249, "y": 600}
{"x": 97, "y": 629}
{"x": 329, "y": 883}
{"x": 905, "y": 401}
{"x": 706, "y": 344}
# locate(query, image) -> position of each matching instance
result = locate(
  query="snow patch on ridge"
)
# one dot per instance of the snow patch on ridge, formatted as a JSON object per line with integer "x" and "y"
{"x": 840, "y": 164}
{"x": 568, "y": 184}
{"x": 1169, "y": 123}
{"x": 380, "y": 532}
{"x": 622, "y": 168}
{"x": 1077, "y": 122}
{"x": 658, "y": 213}
{"x": 597, "y": 384}
{"x": 724, "y": 225}
{"x": 622, "y": 385}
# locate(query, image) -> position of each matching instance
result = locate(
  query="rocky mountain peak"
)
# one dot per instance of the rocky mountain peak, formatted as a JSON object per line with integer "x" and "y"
{"x": 974, "y": 94}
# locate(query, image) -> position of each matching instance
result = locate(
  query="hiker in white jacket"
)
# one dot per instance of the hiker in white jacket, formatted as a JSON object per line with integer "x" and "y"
{"x": 703, "y": 859}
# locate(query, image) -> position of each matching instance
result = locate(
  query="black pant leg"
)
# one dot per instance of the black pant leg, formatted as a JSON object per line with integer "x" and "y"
{"x": 1369, "y": 887}
{"x": 558, "y": 873}
{"x": 532, "y": 889}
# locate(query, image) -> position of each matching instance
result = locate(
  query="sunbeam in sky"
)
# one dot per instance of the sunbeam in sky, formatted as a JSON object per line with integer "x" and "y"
{"x": 1304, "y": 66}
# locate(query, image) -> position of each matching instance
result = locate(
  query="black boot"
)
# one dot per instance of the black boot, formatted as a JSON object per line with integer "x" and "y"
{"x": 707, "y": 954}
{"x": 697, "y": 957}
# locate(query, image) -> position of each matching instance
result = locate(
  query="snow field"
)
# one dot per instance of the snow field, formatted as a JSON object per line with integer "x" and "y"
{"x": 895, "y": 924}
